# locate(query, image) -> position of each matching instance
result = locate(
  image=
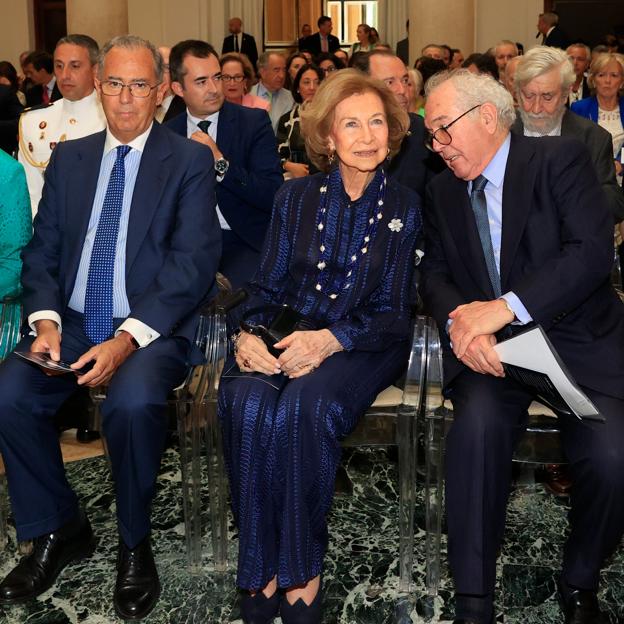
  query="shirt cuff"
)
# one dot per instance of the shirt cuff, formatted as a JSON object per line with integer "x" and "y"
{"x": 141, "y": 332}
{"x": 522, "y": 314}
{"x": 44, "y": 315}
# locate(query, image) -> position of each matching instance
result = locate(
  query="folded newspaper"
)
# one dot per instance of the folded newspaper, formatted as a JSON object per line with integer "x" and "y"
{"x": 530, "y": 359}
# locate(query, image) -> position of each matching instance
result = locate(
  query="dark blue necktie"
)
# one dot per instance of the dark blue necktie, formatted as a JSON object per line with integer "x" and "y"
{"x": 479, "y": 208}
{"x": 98, "y": 309}
{"x": 204, "y": 125}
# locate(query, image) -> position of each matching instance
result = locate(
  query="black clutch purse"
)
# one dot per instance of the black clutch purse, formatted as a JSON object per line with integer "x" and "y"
{"x": 285, "y": 322}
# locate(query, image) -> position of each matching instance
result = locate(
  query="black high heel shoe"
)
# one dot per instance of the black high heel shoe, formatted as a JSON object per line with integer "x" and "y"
{"x": 300, "y": 612}
{"x": 258, "y": 609}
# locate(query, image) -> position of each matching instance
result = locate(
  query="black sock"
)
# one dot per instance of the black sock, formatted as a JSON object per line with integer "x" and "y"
{"x": 479, "y": 608}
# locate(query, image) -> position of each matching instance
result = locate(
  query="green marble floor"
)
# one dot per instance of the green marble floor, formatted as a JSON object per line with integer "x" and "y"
{"x": 361, "y": 566}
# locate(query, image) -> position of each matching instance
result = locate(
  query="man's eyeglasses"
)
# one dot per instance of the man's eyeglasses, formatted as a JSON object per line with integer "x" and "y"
{"x": 137, "y": 89}
{"x": 441, "y": 135}
{"x": 236, "y": 78}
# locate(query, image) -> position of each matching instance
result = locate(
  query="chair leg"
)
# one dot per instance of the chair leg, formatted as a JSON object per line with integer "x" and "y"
{"x": 434, "y": 487}
{"x": 407, "y": 487}
{"x": 189, "y": 430}
{"x": 217, "y": 485}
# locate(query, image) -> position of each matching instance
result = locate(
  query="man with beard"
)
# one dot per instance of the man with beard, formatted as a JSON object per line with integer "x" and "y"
{"x": 542, "y": 83}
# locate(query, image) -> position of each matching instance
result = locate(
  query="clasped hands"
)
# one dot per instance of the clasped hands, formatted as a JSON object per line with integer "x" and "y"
{"x": 107, "y": 356}
{"x": 303, "y": 351}
{"x": 472, "y": 334}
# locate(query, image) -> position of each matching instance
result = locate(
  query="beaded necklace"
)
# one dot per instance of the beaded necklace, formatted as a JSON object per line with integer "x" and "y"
{"x": 331, "y": 191}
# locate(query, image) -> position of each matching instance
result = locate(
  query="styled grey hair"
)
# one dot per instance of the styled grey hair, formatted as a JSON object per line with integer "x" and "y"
{"x": 504, "y": 42}
{"x": 263, "y": 59}
{"x": 84, "y": 41}
{"x": 132, "y": 42}
{"x": 474, "y": 89}
{"x": 540, "y": 60}
{"x": 580, "y": 45}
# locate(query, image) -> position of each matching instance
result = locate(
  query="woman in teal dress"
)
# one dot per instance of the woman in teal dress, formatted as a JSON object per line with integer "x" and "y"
{"x": 15, "y": 232}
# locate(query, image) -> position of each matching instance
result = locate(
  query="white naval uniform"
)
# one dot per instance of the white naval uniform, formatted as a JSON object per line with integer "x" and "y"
{"x": 41, "y": 129}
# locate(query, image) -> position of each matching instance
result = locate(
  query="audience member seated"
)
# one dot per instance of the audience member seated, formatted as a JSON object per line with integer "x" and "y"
{"x": 125, "y": 249}
{"x": 342, "y": 56}
{"x": 330, "y": 62}
{"x": 457, "y": 59}
{"x": 510, "y": 76}
{"x": 15, "y": 230}
{"x": 543, "y": 79}
{"x": 290, "y": 143}
{"x": 606, "y": 106}
{"x": 9, "y": 77}
{"x": 504, "y": 51}
{"x": 340, "y": 251}
{"x": 548, "y": 260}
{"x": 293, "y": 63}
{"x": 433, "y": 50}
{"x": 239, "y": 41}
{"x": 363, "y": 43}
{"x": 38, "y": 68}
{"x": 323, "y": 40}
{"x": 10, "y": 107}
{"x": 171, "y": 105}
{"x": 272, "y": 70}
{"x": 482, "y": 64}
{"x": 580, "y": 55}
{"x": 77, "y": 114}
{"x": 415, "y": 100}
{"x": 236, "y": 76}
{"x": 428, "y": 67}
{"x": 414, "y": 165}
{"x": 246, "y": 161}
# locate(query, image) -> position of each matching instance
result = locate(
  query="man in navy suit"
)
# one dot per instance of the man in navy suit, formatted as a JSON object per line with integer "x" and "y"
{"x": 124, "y": 252}
{"x": 247, "y": 166}
{"x": 519, "y": 231}
{"x": 323, "y": 40}
{"x": 239, "y": 41}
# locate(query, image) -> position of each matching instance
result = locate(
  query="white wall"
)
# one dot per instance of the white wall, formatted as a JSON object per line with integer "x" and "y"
{"x": 17, "y": 31}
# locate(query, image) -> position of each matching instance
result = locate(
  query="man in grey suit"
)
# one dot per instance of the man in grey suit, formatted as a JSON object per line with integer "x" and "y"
{"x": 543, "y": 79}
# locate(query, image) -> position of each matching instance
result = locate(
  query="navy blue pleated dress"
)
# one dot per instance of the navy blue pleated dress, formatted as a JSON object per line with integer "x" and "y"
{"x": 281, "y": 436}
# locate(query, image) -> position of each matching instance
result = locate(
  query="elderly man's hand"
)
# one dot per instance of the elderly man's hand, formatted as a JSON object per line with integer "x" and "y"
{"x": 305, "y": 350}
{"x": 481, "y": 357}
{"x": 474, "y": 319}
{"x": 48, "y": 340}
{"x": 108, "y": 357}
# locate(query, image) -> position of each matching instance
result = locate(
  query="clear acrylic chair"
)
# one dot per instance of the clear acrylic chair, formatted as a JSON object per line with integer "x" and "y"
{"x": 540, "y": 444}
{"x": 391, "y": 420}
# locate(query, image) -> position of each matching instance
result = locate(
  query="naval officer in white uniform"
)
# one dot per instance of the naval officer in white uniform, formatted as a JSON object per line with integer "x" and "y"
{"x": 78, "y": 114}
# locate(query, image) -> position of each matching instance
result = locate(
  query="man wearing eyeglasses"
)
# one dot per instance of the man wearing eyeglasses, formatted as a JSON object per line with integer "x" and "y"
{"x": 246, "y": 161}
{"x": 519, "y": 231}
{"x": 125, "y": 250}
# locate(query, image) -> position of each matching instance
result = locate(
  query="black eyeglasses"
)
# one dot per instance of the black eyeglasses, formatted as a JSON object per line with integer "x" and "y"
{"x": 442, "y": 135}
{"x": 235, "y": 78}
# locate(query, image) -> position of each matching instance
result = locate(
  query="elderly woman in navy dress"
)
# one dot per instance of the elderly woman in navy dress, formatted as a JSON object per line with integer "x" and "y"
{"x": 340, "y": 251}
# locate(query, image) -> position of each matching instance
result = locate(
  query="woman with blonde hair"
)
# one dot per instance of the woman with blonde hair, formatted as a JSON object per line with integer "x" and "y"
{"x": 340, "y": 254}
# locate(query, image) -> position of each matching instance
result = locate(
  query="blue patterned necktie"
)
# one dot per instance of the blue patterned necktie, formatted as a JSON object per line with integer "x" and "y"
{"x": 98, "y": 309}
{"x": 479, "y": 208}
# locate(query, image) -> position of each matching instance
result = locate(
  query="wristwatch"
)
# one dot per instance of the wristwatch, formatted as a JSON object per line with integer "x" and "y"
{"x": 221, "y": 166}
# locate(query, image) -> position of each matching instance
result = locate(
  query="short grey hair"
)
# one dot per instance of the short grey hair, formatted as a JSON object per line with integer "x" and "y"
{"x": 83, "y": 41}
{"x": 132, "y": 42}
{"x": 550, "y": 18}
{"x": 580, "y": 45}
{"x": 506, "y": 42}
{"x": 265, "y": 57}
{"x": 540, "y": 60}
{"x": 476, "y": 89}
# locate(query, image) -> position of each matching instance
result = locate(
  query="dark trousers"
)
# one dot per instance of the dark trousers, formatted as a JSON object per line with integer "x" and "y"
{"x": 239, "y": 261}
{"x": 490, "y": 415}
{"x": 134, "y": 420}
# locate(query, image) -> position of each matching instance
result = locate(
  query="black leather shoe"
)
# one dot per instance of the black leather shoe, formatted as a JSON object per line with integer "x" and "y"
{"x": 258, "y": 609}
{"x": 580, "y": 606}
{"x": 300, "y": 612}
{"x": 137, "y": 588}
{"x": 37, "y": 572}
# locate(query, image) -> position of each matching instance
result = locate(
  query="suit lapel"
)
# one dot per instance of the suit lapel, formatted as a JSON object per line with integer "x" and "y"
{"x": 463, "y": 228}
{"x": 226, "y": 129}
{"x": 517, "y": 193}
{"x": 150, "y": 183}
{"x": 81, "y": 187}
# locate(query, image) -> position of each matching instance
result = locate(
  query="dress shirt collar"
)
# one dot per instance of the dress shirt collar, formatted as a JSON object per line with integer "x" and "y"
{"x": 84, "y": 104}
{"x": 495, "y": 170}
{"x": 213, "y": 119}
{"x": 138, "y": 143}
{"x": 263, "y": 91}
{"x": 50, "y": 85}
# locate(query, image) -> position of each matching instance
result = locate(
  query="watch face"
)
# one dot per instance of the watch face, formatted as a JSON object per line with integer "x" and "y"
{"x": 221, "y": 166}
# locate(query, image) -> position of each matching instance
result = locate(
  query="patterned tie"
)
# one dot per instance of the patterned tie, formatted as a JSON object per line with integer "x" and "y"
{"x": 98, "y": 309}
{"x": 479, "y": 208}
{"x": 204, "y": 125}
